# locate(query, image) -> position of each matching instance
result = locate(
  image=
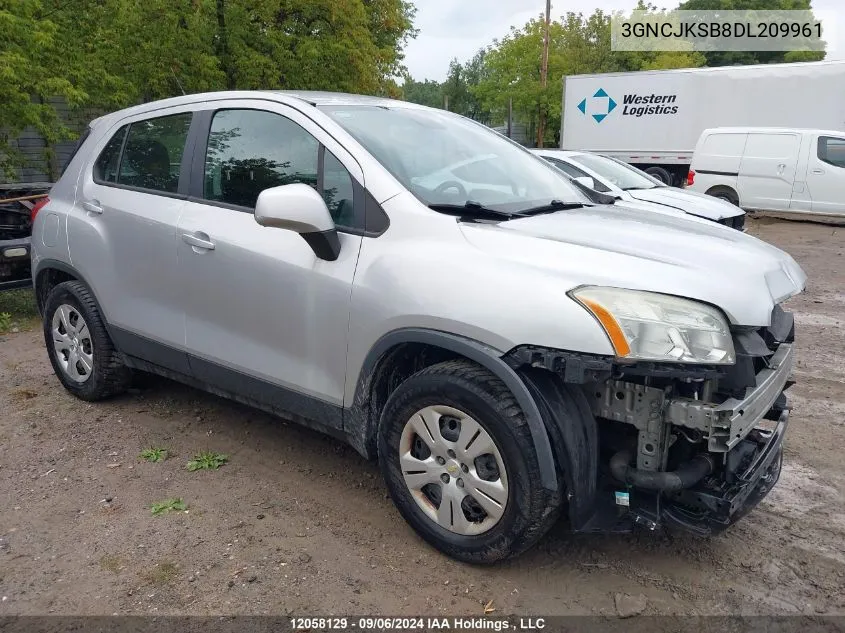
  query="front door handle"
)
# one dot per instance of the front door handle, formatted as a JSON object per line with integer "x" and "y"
{"x": 818, "y": 171}
{"x": 198, "y": 242}
{"x": 92, "y": 206}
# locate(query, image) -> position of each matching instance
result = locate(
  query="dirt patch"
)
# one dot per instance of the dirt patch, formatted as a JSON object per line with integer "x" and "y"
{"x": 296, "y": 522}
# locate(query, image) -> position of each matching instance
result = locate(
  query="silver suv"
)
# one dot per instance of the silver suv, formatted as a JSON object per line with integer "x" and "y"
{"x": 435, "y": 295}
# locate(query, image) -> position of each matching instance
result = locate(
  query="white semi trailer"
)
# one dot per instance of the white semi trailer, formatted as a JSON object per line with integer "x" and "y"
{"x": 652, "y": 119}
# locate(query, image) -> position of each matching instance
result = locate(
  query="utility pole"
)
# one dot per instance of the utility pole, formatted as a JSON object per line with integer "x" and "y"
{"x": 544, "y": 73}
{"x": 510, "y": 117}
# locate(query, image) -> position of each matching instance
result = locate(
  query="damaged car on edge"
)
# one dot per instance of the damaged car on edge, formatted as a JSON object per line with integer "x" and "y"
{"x": 430, "y": 292}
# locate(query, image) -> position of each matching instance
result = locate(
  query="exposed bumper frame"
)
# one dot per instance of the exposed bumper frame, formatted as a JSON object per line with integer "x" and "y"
{"x": 749, "y": 489}
{"x": 729, "y": 422}
{"x": 724, "y": 425}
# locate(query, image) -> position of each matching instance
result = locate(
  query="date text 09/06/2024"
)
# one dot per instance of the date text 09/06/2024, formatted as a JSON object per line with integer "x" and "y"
{"x": 418, "y": 624}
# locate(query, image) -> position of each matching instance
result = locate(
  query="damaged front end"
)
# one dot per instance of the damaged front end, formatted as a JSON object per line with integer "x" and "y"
{"x": 16, "y": 204}
{"x": 688, "y": 445}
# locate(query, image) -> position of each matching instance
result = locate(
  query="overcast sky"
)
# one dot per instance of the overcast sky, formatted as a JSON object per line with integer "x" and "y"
{"x": 458, "y": 28}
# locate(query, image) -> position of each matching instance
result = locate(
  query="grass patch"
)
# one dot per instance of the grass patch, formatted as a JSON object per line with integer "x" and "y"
{"x": 162, "y": 574}
{"x": 207, "y": 460}
{"x": 18, "y": 310}
{"x": 169, "y": 505}
{"x": 154, "y": 454}
{"x": 20, "y": 395}
{"x": 111, "y": 563}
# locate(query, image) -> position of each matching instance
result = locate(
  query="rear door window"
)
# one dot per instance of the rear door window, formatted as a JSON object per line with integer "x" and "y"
{"x": 152, "y": 156}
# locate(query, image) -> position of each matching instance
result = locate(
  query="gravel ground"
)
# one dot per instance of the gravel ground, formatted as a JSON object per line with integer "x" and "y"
{"x": 298, "y": 523}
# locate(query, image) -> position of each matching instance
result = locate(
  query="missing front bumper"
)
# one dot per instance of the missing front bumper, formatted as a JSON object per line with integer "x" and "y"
{"x": 705, "y": 512}
{"x": 743, "y": 435}
{"x": 724, "y": 425}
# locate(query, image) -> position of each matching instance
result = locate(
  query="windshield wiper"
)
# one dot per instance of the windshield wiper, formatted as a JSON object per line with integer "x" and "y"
{"x": 551, "y": 207}
{"x": 473, "y": 208}
{"x": 642, "y": 188}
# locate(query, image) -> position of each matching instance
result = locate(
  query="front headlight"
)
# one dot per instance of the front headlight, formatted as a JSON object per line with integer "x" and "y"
{"x": 651, "y": 326}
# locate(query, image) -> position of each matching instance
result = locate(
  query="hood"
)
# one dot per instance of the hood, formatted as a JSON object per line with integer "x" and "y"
{"x": 692, "y": 202}
{"x": 659, "y": 252}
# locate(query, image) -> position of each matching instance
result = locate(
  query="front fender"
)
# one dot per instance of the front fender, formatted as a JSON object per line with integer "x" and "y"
{"x": 359, "y": 424}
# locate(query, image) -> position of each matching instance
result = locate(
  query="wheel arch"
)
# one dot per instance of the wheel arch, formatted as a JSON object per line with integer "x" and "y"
{"x": 401, "y": 353}
{"x": 48, "y": 274}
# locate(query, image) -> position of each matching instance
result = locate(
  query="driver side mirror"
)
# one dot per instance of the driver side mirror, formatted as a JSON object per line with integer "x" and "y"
{"x": 299, "y": 208}
{"x": 587, "y": 181}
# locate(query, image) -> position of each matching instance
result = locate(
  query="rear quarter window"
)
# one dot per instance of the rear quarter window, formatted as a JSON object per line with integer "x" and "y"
{"x": 106, "y": 166}
{"x": 80, "y": 141}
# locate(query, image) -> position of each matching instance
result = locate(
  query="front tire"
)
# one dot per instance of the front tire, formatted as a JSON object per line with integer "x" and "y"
{"x": 81, "y": 352}
{"x": 460, "y": 465}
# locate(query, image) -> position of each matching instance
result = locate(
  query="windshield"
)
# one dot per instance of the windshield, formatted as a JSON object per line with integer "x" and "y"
{"x": 618, "y": 173}
{"x": 445, "y": 159}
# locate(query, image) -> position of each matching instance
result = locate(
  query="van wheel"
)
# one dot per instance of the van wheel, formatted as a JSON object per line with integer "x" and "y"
{"x": 458, "y": 459}
{"x": 663, "y": 175}
{"x": 724, "y": 193}
{"x": 80, "y": 350}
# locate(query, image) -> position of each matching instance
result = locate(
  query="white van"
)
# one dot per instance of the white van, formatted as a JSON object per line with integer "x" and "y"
{"x": 772, "y": 169}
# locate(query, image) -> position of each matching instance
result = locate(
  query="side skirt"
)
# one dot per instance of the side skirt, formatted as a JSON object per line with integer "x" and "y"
{"x": 162, "y": 360}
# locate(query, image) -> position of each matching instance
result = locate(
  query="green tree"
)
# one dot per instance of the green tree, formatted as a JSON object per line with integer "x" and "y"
{"x": 459, "y": 88}
{"x": 731, "y": 58}
{"x": 30, "y": 74}
{"x": 391, "y": 26}
{"x": 461, "y": 83}
{"x": 107, "y": 54}
{"x": 428, "y": 92}
{"x": 302, "y": 44}
{"x": 578, "y": 44}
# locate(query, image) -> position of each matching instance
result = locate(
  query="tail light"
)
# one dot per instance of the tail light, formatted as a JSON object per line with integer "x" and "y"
{"x": 690, "y": 178}
{"x": 38, "y": 206}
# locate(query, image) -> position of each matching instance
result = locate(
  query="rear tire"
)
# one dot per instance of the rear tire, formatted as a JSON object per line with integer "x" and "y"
{"x": 486, "y": 410}
{"x": 663, "y": 175}
{"x": 724, "y": 193}
{"x": 81, "y": 352}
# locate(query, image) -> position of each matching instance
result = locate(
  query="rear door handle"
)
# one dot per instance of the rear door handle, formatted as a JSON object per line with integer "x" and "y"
{"x": 92, "y": 206}
{"x": 818, "y": 171}
{"x": 198, "y": 242}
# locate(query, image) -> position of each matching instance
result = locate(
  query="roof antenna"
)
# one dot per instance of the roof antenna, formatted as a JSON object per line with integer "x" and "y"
{"x": 178, "y": 83}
